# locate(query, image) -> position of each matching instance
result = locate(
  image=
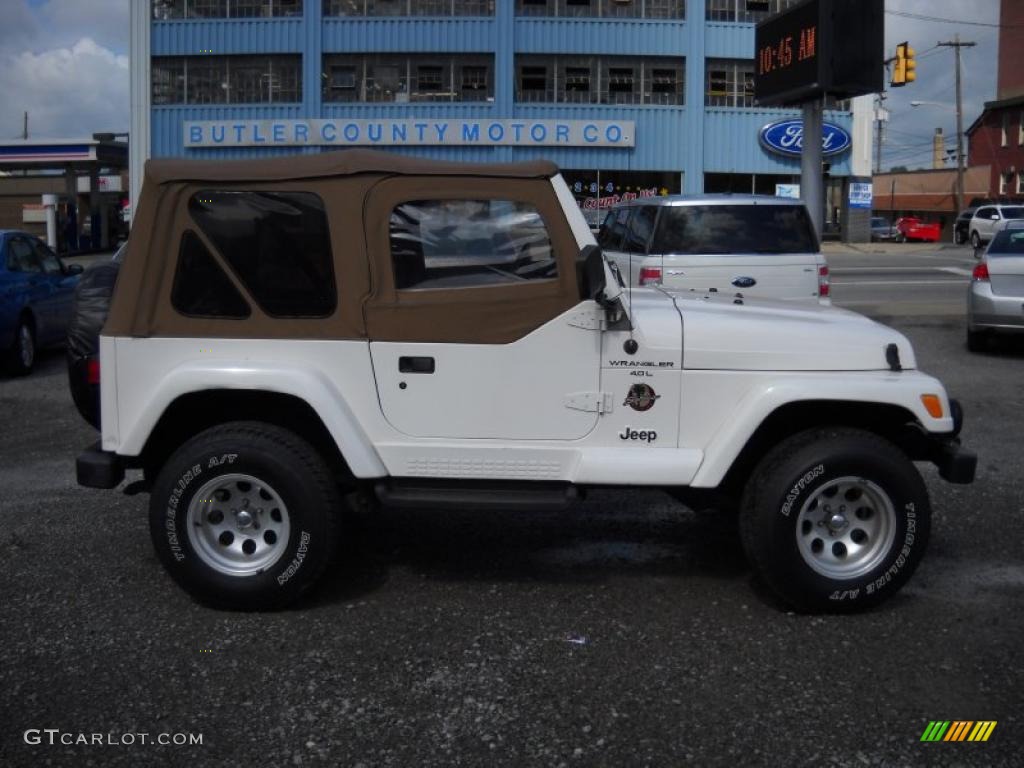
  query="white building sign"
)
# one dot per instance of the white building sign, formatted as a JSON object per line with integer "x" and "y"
{"x": 409, "y": 133}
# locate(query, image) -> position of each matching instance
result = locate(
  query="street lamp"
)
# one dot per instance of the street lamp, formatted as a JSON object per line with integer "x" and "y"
{"x": 959, "y": 143}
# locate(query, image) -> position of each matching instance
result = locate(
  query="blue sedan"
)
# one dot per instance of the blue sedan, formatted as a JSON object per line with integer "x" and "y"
{"x": 35, "y": 298}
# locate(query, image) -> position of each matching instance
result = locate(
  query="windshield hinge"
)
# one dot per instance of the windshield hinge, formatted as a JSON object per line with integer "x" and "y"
{"x": 592, "y": 319}
{"x": 601, "y": 402}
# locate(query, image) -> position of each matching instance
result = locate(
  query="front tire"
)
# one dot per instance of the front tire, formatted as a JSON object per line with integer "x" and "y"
{"x": 975, "y": 240}
{"x": 245, "y": 515}
{"x": 22, "y": 355}
{"x": 835, "y": 520}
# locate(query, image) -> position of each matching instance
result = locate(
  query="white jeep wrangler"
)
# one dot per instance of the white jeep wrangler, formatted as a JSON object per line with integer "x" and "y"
{"x": 286, "y": 332}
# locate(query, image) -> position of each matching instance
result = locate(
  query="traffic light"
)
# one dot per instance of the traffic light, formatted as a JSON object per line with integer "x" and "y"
{"x": 904, "y": 68}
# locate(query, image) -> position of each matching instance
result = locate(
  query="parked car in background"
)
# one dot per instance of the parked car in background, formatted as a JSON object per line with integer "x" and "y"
{"x": 89, "y": 309}
{"x": 962, "y": 226}
{"x": 727, "y": 244}
{"x": 995, "y": 298}
{"x": 882, "y": 229}
{"x": 35, "y": 298}
{"x": 987, "y": 219}
{"x": 912, "y": 228}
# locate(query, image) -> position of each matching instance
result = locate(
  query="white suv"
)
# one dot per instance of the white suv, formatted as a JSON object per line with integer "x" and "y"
{"x": 988, "y": 218}
{"x": 751, "y": 245}
{"x": 289, "y": 334}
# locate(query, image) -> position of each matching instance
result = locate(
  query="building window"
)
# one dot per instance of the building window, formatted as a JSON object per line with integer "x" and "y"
{"x": 599, "y": 80}
{"x": 408, "y": 7}
{"x": 405, "y": 77}
{"x": 1020, "y": 130}
{"x": 729, "y": 83}
{"x": 1004, "y": 135}
{"x": 225, "y": 9}
{"x": 746, "y": 11}
{"x": 227, "y": 79}
{"x": 603, "y": 9}
{"x": 1005, "y": 180}
{"x": 1020, "y": 182}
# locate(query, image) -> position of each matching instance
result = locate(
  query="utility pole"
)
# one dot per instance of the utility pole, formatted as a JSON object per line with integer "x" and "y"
{"x": 881, "y": 115}
{"x": 956, "y": 44}
{"x": 24, "y": 126}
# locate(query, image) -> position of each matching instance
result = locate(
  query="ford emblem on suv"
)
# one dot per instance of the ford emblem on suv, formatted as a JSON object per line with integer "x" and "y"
{"x": 744, "y": 282}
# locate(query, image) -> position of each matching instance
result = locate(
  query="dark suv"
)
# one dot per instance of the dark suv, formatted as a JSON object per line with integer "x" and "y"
{"x": 962, "y": 226}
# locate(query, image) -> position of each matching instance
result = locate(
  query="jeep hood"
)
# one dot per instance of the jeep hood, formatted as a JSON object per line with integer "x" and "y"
{"x": 766, "y": 335}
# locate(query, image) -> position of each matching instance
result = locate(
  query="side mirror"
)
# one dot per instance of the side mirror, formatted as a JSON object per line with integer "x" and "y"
{"x": 73, "y": 269}
{"x": 592, "y": 276}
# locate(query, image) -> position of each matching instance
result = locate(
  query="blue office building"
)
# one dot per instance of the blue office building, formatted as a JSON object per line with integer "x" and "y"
{"x": 629, "y": 97}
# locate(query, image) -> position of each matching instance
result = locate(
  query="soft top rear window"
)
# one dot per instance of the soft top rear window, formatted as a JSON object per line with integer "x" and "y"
{"x": 725, "y": 229}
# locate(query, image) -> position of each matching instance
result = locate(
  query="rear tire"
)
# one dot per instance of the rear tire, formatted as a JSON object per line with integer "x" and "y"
{"x": 835, "y": 520}
{"x": 245, "y": 515}
{"x": 22, "y": 355}
{"x": 975, "y": 240}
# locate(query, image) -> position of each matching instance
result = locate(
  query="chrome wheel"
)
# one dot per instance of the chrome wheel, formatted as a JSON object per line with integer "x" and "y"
{"x": 26, "y": 347}
{"x": 846, "y": 528}
{"x": 238, "y": 525}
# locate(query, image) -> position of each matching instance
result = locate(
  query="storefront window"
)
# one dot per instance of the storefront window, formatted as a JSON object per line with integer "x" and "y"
{"x": 225, "y": 9}
{"x": 597, "y": 191}
{"x": 403, "y": 77}
{"x": 226, "y": 79}
{"x": 599, "y": 80}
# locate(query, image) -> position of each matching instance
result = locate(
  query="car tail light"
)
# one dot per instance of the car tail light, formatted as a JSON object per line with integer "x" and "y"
{"x": 824, "y": 284}
{"x": 980, "y": 272}
{"x": 92, "y": 370}
{"x": 650, "y": 276}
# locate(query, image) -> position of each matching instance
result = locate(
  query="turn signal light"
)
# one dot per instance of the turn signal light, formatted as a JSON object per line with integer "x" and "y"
{"x": 824, "y": 282}
{"x": 92, "y": 370}
{"x": 980, "y": 272}
{"x": 932, "y": 404}
{"x": 650, "y": 276}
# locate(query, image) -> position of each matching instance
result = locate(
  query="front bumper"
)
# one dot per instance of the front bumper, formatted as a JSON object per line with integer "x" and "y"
{"x": 956, "y": 464}
{"x": 97, "y": 468}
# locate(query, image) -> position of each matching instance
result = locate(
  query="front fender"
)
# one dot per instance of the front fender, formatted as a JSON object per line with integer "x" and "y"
{"x": 772, "y": 391}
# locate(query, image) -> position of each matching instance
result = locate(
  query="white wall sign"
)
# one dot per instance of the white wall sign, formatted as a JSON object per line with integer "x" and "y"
{"x": 788, "y": 190}
{"x": 860, "y": 195}
{"x": 413, "y": 132}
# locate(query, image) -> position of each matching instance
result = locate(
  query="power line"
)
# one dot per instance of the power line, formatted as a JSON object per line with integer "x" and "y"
{"x": 938, "y": 19}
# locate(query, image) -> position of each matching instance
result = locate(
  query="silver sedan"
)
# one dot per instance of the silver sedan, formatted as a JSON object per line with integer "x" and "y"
{"x": 995, "y": 299}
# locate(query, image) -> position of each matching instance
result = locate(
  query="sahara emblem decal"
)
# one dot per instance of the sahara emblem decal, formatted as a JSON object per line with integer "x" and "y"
{"x": 641, "y": 397}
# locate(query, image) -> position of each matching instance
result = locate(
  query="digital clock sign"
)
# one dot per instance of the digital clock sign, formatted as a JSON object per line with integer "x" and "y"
{"x": 817, "y": 48}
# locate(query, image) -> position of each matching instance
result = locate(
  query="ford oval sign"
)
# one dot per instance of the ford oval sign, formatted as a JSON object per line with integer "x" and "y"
{"x": 785, "y": 137}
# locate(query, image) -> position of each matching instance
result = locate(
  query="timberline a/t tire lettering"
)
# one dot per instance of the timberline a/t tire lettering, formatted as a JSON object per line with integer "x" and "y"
{"x": 170, "y": 524}
{"x": 802, "y": 483}
{"x": 296, "y": 562}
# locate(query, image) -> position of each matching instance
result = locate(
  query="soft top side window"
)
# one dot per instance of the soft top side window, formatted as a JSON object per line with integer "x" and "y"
{"x": 469, "y": 243}
{"x": 277, "y": 244}
{"x": 200, "y": 288}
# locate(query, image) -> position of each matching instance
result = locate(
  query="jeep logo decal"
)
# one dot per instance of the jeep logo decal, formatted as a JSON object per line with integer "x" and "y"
{"x": 644, "y": 435}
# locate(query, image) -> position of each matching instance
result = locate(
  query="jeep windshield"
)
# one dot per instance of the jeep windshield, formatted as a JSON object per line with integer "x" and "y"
{"x": 726, "y": 229}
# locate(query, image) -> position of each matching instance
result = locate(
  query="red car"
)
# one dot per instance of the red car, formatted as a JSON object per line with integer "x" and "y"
{"x": 912, "y": 228}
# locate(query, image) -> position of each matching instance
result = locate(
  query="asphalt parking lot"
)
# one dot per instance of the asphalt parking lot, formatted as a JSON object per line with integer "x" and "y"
{"x": 627, "y": 632}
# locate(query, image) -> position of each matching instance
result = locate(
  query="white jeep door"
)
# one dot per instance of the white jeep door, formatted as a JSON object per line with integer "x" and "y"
{"x": 476, "y": 325}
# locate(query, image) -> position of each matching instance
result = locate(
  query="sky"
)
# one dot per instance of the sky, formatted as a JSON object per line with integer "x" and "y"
{"x": 65, "y": 62}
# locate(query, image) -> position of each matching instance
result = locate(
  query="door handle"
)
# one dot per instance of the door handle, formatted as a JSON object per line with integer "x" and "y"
{"x": 416, "y": 364}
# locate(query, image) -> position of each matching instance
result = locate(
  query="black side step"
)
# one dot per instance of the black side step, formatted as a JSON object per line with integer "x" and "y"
{"x": 416, "y": 493}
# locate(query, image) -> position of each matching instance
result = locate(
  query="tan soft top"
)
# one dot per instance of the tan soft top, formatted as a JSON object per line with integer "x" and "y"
{"x": 346, "y": 162}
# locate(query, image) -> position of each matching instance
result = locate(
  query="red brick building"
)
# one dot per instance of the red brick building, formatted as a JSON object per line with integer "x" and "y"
{"x": 997, "y": 136}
